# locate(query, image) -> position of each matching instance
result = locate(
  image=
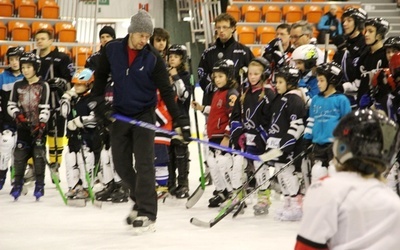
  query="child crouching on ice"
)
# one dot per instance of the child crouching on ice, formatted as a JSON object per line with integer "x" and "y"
{"x": 29, "y": 106}
{"x": 79, "y": 157}
{"x": 222, "y": 103}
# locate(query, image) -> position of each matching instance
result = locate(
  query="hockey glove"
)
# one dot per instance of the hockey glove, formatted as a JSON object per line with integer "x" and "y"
{"x": 365, "y": 101}
{"x": 182, "y": 127}
{"x": 75, "y": 123}
{"x": 21, "y": 121}
{"x": 38, "y": 131}
{"x": 57, "y": 84}
{"x": 271, "y": 154}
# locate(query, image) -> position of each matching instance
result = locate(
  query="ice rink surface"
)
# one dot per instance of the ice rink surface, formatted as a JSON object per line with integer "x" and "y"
{"x": 49, "y": 224}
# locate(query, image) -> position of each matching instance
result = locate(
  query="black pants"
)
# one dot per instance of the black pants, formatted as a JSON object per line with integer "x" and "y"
{"x": 28, "y": 147}
{"x": 125, "y": 139}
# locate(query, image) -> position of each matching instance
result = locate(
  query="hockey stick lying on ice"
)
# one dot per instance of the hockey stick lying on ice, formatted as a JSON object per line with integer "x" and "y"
{"x": 264, "y": 157}
{"x": 228, "y": 210}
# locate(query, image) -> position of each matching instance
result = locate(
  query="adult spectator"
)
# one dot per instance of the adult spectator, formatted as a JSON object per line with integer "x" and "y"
{"x": 329, "y": 24}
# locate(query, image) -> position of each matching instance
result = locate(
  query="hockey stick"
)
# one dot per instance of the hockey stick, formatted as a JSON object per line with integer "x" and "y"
{"x": 326, "y": 47}
{"x": 239, "y": 203}
{"x": 263, "y": 157}
{"x": 195, "y": 197}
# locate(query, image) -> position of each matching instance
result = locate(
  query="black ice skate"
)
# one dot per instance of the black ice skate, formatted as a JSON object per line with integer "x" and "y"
{"x": 120, "y": 194}
{"x": 105, "y": 194}
{"x": 39, "y": 190}
{"x": 16, "y": 190}
{"x": 143, "y": 224}
{"x": 182, "y": 192}
{"x": 219, "y": 198}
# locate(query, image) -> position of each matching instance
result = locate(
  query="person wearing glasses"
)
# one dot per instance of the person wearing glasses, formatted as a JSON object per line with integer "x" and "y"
{"x": 301, "y": 34}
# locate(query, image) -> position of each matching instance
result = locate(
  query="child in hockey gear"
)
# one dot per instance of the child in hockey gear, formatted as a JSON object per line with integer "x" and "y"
{"x": 79, "y": 157}
{"x": 29, "y": 106}
{"x": 305, "y": 57}
{"x": 364, "y": 147}
{"x": 284, "y": 130}
{"x": 160, "y": 41}
{"x": 7, "y": 124}
{"x": 392, "y": 46}
{"x": 178, "y": 151}
{"x": 326, "y": 109}
{"x": 222, "y": 104}
{"x": 248, "y": 115}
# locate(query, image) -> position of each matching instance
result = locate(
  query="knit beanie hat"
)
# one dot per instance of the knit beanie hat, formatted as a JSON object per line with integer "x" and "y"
{"x": 107, "y": 30}
{"x": 141, "y": 22}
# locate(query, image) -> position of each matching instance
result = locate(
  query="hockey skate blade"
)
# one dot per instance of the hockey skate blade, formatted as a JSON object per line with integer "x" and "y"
{"x": 76, "y": 202}
{"x": 195, "y": 197}
{"x": 199, "y": 223}
{"x": 239, "y": 210}
{"x": 98, "y": 204}
{"x": 143, "y": 230}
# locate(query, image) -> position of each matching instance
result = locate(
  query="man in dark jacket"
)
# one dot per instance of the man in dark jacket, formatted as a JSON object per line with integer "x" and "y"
{"x": 137, "y": 71}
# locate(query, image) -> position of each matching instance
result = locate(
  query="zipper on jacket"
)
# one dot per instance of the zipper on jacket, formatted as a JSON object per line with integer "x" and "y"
{"x": 127, "y": 71}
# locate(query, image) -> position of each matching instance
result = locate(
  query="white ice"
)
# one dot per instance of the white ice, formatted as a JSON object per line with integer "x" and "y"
{"x": 49, "y": 224}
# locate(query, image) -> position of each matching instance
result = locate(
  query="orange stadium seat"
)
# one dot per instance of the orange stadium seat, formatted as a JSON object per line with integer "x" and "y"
{"x": 27, "y": 9}
{"x": 6, "y": 8}
{"x": 80, "y": 54}
{"x": 234, "y": 11}
{"x": 299, "y": 1}
{"x": 63, "y": 49}
{"x": 41, "y": 25}
{"x": 65, "y": 32}
{"x": 3, "y": 31}
{"x": 19, "y": 30}
{"x": 292, "y": 13}
{"x": 338, "y": 13}
{"x": 246, "y": 34}
{"x": 49, "y": 9}
{"x": 251, "y": 13}
{"x": 265, "y": 34}
{"x": 272, "y": 13}
{"x": 3, "y": 51}
{"x": 278, "y": 0}
{"x": 312, "y": 13}
{"x": 257, "y": 51}
{"x": 317, "y": 0}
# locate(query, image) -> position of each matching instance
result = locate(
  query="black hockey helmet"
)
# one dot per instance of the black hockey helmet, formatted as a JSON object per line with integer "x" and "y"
{"x": 382, "y": 26}
{"x": 29, "y": 57}
{"x": 358, "y": 14}
{"x": 394, "y": 65}
{"x": 226, "y": 66}
{"x": 178, "y": 49}
{"x": 290, "y": 74}
{"x": 15, "y": 51}
{"x": 366, "y": 134}
{"x": 332, "y": 71}
{"x": 392, "y": 42}
{"x": 266, "y": 65}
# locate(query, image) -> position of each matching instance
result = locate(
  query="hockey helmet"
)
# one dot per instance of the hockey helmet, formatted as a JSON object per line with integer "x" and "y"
{"x": 178, "y": 49}
{"x": 392, "y": 42}
{"x": 332, "y": 71}
{"x": 226, "y": 66}
{"x": 266, "y": 65}
{"x": 29, "y": 57}
{"x": 359, "y": 16}
{"x": 308, "y": 54}
{"x": 382, "y": 26}
{"x": 366, "y": 134}
{"x": 394, "y": 65}
{"x": 83, "y": 76}
{"x": 15, "y": 51}
{"x": 290, "y": 74}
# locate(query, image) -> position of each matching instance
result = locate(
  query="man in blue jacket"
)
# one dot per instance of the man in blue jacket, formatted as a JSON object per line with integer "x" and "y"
{"x": 137, "y": 71}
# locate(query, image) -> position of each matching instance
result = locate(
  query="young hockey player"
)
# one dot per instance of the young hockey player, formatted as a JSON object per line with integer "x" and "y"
{"x": 284, "y": 130}
{"x": 7, "y": 124}
{"x": 251, "y": 110}
{"x": 29, "y": 106}
{"x": 79, "y": 157}
{"x": 339, "y": 212}
{"x": 179, "y": 152}
{"x": 392, "y": 46}
{"x": 305, "y": 58}
{"x": 326, "y": 109}
{"x": 160, "y": 41}
{"x": 222, "y": 103}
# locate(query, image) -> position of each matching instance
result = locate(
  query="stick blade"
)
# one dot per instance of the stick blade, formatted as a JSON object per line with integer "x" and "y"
{"x": 195, "y": 197}
{"x": 200, "y": 223}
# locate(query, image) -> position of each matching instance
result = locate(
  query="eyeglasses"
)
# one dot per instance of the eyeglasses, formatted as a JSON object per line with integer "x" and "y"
{"x": 296, "y": 37}
{"x": 222, "y": 27}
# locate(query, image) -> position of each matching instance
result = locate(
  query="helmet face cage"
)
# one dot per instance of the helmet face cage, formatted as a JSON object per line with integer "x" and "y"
{"x": 15, "y": 51}
{"x": 178, "y": 49}
{"x": 83, "y": 76}
{"x": 394, "y": 65}
{"x": 290, "y": 74}
{"x": 28, "y": 57}
{"x": 359, "y": 15}
{"x": 226, "y": 66}
{"x": 266, "y": 65}
{"x": 332, "y": 72}
{"x": 392, "y": 42}
{"x": 382, "y": 26}
{"x": 366, "y": 134}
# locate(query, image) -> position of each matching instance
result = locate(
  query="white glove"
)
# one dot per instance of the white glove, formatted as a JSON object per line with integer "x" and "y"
{"x": 271, "y": 154}
{"x": 69, "y": 94}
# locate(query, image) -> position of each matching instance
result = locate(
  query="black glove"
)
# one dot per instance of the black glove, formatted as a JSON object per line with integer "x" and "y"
{"x": 182, "y": 127}
{"x": 102, "y": 110}
{"x": 340, "y": 88}
{"x": 339, "y": 42}
{"x": 38, "y": 131}
{"x": 58, "y": 84}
